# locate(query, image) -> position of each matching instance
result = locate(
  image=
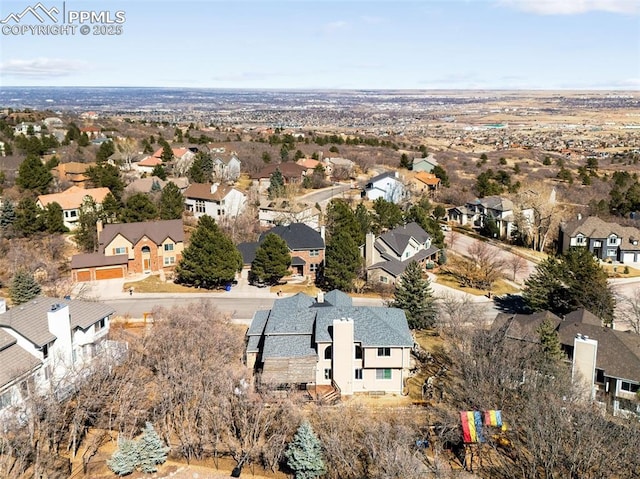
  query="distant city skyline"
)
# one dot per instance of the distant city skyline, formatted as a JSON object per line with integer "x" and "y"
{"x": 318, "y": 44}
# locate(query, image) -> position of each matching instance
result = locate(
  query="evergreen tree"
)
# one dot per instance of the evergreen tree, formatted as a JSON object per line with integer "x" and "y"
{"x": 364, "y": 220}
{"x": 276, "y": 184}
{"x": 83, "y": 139}
{"x": 550, "y": 347}
{"x": 342, "y": 262}
{"x": 33, "y": 175}
{"x": 414, "y": 295}
{"x": 304, "y": 454}
{"x": 171, "y": 204}
{"x": 405, "y": 162}
{"x": 7, "y": 214}
{"x": 387, "y": 216}
{"x": 139, "y": 207}
{"x": 441, "y": 173}
{"x": 107, "y": 176}
{"x": 29, "y": 218}
{"x": 125, "y": 459}
{"x": 490, "y": 228}
{"x": 54, "y": 218}
{"x": 272, "y": 260}
{"x": 167, "y": 152}
{"x": 111, "y": 208}
{"x": 340, "y": 217}
{"x": 105, "y": 151}
{"x": 23, "y": 287}
{"x": 211, "y": 260}
{"x": 571, "y": 281}
{"x": 266, "y": 157}
{"x": 151, "y": 450}
{"x": 86, "y": 235}
{"x": 160, "y": 172}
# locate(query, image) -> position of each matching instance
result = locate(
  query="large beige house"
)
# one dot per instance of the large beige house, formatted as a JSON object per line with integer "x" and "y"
{"x": 327, "y": 341}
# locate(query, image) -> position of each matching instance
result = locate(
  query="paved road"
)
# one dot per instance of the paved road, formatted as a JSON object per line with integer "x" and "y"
{"x": 325, "y": 194}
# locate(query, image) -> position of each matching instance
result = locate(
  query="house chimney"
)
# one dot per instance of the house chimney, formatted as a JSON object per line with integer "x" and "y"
{"x": 99, "y": 227}
{"x": 214, "y": 187}
{"x": 322, "y": 233}
{"x": 369, "y": 241}
{"x": 320, "y": 298}
{"x": 3, "y": 305}
{"x": 579, "y": 216}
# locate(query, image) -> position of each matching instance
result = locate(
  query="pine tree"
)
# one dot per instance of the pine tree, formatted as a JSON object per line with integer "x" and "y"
{"x": 54, "y": 218}
{"x": 304, "y": 454}
{"x": 29, "y": 218}
{"x": 276, "y": 185}
{"x": 139, "y": 208}
{"x": 272, "y": 260}
{"x": 111, "y": 208}
{"x": 105, "y": 151}
{"x": 151, "y": 450}
{"x": 387, "y": 216}
{"x": 160, "y": 172}
{"x": 549, "y": 342}
{"x": 571, "y": 281}
{"x": 342, "y": 262}
{"x": 211, "y": 260}
{"x": 23, "y": 287}
{"x": 33, "y": 175}
{"x": 414, "y": 295}
{"x": 405, "y": 162}
{"x": 86, "y": 234}
{"x": 171, "y": 204}
{"x": 125, "y": 459}
{"x": 7, "y": 214}
{"x": 167, "y": 152}
{"x": 340, "y": 217}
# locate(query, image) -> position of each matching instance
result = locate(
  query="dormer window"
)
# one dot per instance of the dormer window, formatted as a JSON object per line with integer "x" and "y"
{"x": 613, "y": 240}
{"x": 581, "y": 240}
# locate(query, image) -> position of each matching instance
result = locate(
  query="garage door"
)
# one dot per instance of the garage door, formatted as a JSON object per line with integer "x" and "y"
{"x": 109, "y": 273}
{"x": 83, "y": 275}
{"x": 629, "y": 258}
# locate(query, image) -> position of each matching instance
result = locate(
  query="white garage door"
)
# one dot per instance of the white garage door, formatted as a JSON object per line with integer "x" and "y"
{"x": 629, "y": 258}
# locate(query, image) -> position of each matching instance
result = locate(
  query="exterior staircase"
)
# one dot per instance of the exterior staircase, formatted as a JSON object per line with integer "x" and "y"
{"x": 326, "y": 394}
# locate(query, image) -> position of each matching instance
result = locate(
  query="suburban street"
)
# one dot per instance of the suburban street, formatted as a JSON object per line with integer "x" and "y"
{"x": 326, "y": 194}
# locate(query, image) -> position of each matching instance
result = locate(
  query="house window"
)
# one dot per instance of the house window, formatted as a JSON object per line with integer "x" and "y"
{"x": 384, "y": 352}
{"x": 220, "y": 212}
{"x": 384, "y": 279}
{"x": 314, "y": 252}
{"x": 73, "y": 213}
{"x": 45, "y": 351}
{"x": 629, "y": 387}
{"x": 5, "y": 400}
{"x": 612, "y": 240}
{"x": 327, "y": 373}
{"x": 358, "y": 352}
{"x": 611, "y": 252}
{"x": 168, "y": 247}
{"x": 199, "y": 206}
{"x": 358, "y": 374}
{"x": 328, "y": 353}
{"x": 313, "y": 267}
{"x": 120, "y": 250}
{"x": 101, "y": 324}
{"x": 600, "y": 376}
{"x": 169, "y": 260}
{"x": 383, "y": 373}
{"x": 581, "y": 240}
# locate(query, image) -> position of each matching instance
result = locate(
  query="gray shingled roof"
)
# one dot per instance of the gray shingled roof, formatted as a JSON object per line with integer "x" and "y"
{"x": 382, "y": 176}
{"x": 15, "y": 362}
{"x": 298, "y": 236}
{"x": 295, "y": 322}
{"x": 524, "y": 327}
{"x": 398, "y": 239}
{"x": 497, "y": 203}
{"x": 248, "y": 251}
{"x": 156, "y": 231}
{"x": 30, "y": 319}
{"x": 396, "y": 267}
{"x": 594, "y": 227}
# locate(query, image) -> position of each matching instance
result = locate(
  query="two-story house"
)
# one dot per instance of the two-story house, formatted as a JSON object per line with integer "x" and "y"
{"x": 387, "y": 186}
{"x": 72, "y": 172}
{"x": 387, "y": 256}
{"x": 329, "y": 342}
{"x": 131, "y": 248}
{"x": 226, "y": 169}
{"x": 284, "y": 212}
{"x": 292, "y": 174}
{"x": 424, "y": 164}
{"x": 607, "y": 241}
{"x": 215, "y": 200}
{"x": 48, "y": 341}
{"x": 305, "y": 244}
{"x": 500, "y": 210}
{"x": 71, "y": 200}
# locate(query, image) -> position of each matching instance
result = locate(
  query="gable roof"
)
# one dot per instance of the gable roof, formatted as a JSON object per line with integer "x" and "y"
{"x": 156, "y": 231}
{"x": 297, "y": 236}
{"x": 202, "y": 191}
{"x": 73, "y": 197}
{"x": 295, "y": 324}
{"x": 382, "y": 176}
{"x": 396, "y": 267}
{"x": 497, "y": 203}
{"x": 177, "y": 152}
{"x": 429, "y": 159}
{"x": 30, "y": 319}
{"x": 150, "y": 161}
{"x": 524, "y": 327}
{"x": 398, "y": 238}
{"x": 427, "y": 178}
{"x": 15, "y": 360}
{"x": 288, "y": 170}
{"x": 96, "y": 260}
{"x": 594, "y": 227}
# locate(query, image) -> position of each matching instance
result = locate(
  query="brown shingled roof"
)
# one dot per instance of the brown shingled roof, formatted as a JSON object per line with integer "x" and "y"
{"x": 288, "y": 170}
{"x": 156, "y": 231}
{"x": 202, "y": 191}
{"x": 95, "y": 260}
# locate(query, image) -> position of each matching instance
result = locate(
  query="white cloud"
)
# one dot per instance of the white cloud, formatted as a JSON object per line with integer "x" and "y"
{"x": 572, "y": 7}
{"x": 334, "y": 26}
{"x": 40, "y": 67}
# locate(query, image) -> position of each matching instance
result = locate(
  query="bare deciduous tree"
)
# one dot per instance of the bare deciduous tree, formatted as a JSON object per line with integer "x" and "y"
{"x": 627, "y": 312}
{"x": 515, "y": 264}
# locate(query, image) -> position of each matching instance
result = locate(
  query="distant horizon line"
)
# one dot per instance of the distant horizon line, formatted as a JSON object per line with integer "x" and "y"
{"x": 281, "y": 89}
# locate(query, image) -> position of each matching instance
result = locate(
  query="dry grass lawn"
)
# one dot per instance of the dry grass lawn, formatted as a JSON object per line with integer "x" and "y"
{"x": 153, "y": 284}
{"x": 293, "y": 288}
{"x": 618, "y": 271}
{"x": 500, "y": 287}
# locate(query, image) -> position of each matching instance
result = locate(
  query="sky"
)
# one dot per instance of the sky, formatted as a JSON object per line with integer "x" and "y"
{"x": 318, "y": 44}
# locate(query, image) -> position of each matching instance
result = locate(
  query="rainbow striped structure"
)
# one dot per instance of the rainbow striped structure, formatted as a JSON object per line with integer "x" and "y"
{"x": 493, "y": 418}
{"x": 471, "y": 426}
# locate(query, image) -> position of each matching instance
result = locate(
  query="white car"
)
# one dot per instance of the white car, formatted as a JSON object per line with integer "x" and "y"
{"x": 445, "y": 227}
